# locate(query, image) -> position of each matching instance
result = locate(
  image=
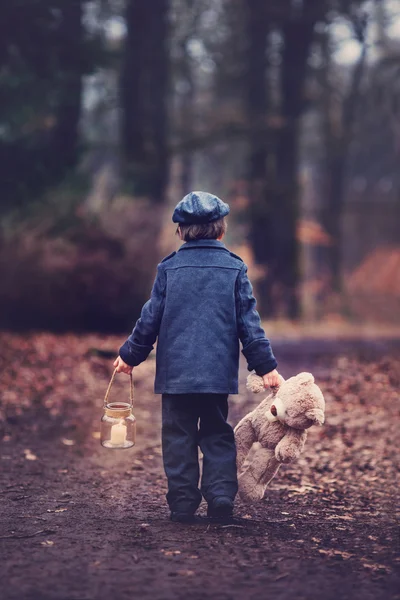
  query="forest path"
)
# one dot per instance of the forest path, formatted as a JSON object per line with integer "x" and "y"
{"x": 79, "y": 522}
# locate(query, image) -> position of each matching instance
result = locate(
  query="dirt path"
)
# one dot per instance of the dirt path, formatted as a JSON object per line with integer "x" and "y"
{"x": 78, "y": 522}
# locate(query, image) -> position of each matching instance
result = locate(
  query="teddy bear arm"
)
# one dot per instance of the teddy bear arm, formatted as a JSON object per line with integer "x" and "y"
{"x": 290, "y": 446}
{"x": 244, "y": 437}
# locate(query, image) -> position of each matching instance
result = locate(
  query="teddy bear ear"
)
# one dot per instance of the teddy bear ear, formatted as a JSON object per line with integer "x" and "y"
{"x": 305, "y": 378}
{"x": 316, "y": 415}
{"x": 255, "y": 383}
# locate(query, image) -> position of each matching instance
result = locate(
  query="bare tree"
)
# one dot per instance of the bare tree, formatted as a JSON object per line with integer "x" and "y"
{"x": 186, "y": 16}
{"x": 144, "y": 89}
{"x": 297, "y": 30}
{"x": 338, "y": 134}
{"x": 256, "y": 106}
{"x": 65, "y": 135}
{"x": 273, "y": 158}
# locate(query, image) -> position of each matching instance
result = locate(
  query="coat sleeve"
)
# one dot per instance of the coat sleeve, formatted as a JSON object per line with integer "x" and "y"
{"x": 256, "y": 347}
{"x": 140, "y": 343}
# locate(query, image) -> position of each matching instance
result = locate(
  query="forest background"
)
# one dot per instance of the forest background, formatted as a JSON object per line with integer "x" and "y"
{"x": 111, "y": 111}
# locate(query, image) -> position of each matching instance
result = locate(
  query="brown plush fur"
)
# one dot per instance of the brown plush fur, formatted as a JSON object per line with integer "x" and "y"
{"x": 281, "y": 432}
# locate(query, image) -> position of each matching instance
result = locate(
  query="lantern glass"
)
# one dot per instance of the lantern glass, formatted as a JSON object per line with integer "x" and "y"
{"x": 118, "y": 426}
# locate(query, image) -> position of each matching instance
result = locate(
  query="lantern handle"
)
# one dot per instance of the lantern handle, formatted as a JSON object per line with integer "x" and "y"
{"x": 109, "y": 389}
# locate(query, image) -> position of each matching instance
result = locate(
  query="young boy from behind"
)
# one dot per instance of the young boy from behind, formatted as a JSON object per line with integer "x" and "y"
{"x": 201, "y": 306}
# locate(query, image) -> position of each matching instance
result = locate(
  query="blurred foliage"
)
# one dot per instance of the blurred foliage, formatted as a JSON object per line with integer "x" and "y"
{"x": 44, "y": 53}
{"x": 78, "y": 271}
{"x": 110, "y": 103}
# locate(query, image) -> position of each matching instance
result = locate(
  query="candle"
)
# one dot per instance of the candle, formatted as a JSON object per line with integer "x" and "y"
{"x": 118, "y": 435}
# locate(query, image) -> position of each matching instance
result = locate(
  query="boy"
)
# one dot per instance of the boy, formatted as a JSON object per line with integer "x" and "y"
{"x": 201, "y": 305}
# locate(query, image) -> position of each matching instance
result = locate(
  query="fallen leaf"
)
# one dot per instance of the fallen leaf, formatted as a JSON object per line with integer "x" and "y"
{"x": 341, "y": 517}
{"x": 29, "y": 455}
{"x": 47, "y": 543}
{"x": 376, "y": 567}
{"x": 67, "y": 442}
{"x": 170, "y": 552}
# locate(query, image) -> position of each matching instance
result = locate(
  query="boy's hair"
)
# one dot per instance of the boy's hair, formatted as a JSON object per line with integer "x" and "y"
{"x": 202, "y": 231}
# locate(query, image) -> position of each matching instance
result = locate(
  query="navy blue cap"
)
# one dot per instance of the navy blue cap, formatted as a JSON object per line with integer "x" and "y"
{"x": 199, "y": 207}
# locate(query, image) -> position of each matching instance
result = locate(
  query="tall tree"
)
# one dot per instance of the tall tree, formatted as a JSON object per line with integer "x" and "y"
{"x": 41, "y": 83}
{"x": 273, "y": 172}
{"x": 185, "y": 17}
{"x": 297, "y": 30}
{"x": 144, "y": 87}
{"x": 338, "y": 135}
{"x": 256, "y": 107}
{"x": 65, "y": 136}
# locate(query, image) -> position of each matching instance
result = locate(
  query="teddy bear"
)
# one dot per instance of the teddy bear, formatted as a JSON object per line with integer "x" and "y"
{"x": 279, "y": 424}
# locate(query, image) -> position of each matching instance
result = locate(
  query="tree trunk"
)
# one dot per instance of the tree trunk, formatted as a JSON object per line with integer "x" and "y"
{"x": 63, "y": 148}
{"x": 273, "y": 174}
{"x": 256, "y": 108}
{"x": 186, "y": 120}
{"x": 297, "y": 38}
{"x": 144, "y": 82}
{"x": 337, "y": 148}
{"x": 382, "y": 21}
{"x": 297, "y": 33}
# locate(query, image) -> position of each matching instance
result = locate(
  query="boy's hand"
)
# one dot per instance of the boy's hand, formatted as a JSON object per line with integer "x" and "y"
{"x": 121, "y": 366}
{"x": 272, "y": 379}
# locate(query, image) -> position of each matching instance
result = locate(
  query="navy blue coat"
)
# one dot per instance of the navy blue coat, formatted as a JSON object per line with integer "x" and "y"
{"x": 201, "y": 306}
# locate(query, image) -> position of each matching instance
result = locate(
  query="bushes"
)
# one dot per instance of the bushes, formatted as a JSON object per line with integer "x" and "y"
{"x": 94, "y": 275}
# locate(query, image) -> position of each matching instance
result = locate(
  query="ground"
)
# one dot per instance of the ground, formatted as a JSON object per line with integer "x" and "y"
{"x": 79, "y": 522}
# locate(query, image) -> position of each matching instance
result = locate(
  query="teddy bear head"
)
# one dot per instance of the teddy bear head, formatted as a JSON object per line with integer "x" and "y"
{"x": 298, "y": 402}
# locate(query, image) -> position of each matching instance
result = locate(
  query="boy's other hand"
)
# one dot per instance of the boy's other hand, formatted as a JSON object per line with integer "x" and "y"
{"x": 272, "y": 379}
{"x": 121, "y": 366}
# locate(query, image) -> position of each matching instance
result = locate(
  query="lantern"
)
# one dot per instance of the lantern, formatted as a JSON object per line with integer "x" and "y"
{"x": 118, "y": 424}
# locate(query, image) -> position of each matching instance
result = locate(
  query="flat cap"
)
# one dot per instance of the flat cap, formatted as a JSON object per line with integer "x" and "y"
{"x": 199, "y": 207}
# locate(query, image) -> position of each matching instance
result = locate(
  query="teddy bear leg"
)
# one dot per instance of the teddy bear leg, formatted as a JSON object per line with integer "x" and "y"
{"x": 244, "y": 439}
{"x": 255, "y": 478}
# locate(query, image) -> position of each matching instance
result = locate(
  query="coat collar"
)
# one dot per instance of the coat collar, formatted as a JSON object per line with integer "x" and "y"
{"x": 203, "y": 244}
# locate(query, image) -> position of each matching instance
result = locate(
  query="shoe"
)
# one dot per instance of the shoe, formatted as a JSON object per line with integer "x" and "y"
{"x": 220, "y": 509}
{"x": 181, "y": 517}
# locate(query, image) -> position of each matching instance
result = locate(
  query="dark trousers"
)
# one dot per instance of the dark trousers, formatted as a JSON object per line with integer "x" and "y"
{"x": 189, "y": 421}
